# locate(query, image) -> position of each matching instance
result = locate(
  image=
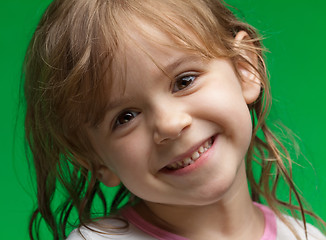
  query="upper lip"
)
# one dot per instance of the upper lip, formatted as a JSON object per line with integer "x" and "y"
{"x": 189, "y": 152}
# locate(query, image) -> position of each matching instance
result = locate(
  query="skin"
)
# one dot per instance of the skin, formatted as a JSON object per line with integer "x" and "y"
{"x": 160, "y": 117}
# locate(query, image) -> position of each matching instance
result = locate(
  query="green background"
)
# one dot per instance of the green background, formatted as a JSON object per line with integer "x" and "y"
{"x": 295, "y": 35}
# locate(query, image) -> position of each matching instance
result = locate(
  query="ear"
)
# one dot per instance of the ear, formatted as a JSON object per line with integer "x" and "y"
{"x": 108, "y": 177}
{"x": 250, "y": 82}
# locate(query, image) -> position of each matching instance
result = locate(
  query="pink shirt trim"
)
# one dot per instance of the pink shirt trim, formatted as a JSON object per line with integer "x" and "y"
{"x": 134, "y": 218}
{"x": 270, "y": 231}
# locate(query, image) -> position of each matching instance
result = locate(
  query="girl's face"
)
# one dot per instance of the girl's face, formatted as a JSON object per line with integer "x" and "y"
{"x": 177, "y": 136}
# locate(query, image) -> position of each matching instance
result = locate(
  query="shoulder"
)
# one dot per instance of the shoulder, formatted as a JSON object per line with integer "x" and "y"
{"x": 108, "y": 229}
{"x": 283, "y": 231}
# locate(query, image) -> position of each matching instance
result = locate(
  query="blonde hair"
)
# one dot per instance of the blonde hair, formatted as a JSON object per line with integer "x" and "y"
{"x": 74, "y": 47}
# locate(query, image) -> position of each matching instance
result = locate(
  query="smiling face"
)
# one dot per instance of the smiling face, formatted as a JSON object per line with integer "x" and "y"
{"x": 177, "y": 136}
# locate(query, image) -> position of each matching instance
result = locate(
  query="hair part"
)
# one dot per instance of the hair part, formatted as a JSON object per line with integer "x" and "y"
{"x": 69, "y": 68}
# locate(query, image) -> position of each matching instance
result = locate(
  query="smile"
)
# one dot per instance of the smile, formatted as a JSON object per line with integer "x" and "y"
{"x": 192, "y": 159}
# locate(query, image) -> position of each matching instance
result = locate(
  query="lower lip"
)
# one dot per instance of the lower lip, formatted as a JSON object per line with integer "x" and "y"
{"x": 198, "y": 163}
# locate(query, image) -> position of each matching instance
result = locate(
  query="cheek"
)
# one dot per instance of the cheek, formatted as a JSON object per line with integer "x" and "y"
{"x": 245, "y": 130}
{"x": 240, "y": 124}
{"x": 226, "y": 108}
{"x": 129, "y": 152}
{"x": 222, "y": 103}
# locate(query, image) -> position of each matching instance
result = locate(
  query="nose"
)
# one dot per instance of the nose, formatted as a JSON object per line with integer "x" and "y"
{"x": 170, "y": 123}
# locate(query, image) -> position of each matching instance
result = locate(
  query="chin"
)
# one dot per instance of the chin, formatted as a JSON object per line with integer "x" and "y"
{"x": 214, "y": 193}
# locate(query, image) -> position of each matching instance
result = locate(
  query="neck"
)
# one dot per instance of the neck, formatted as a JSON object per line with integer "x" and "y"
{"x": 232, "y": 217}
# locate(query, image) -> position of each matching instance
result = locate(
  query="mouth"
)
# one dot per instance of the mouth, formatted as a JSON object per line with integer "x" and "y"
{"x": 192, "y": 158}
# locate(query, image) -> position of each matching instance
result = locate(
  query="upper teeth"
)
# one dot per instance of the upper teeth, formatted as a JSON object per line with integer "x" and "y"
{"x": 194, "y": 156}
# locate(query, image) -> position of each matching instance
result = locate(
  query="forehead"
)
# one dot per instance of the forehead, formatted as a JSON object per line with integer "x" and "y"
{"x": 143, "y": 38}
{"x": 144, "y": 45}
{"x": 146, "y": 33}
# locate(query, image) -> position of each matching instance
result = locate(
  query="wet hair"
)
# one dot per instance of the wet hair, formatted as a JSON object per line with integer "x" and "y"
{"x": 69, "y": 67}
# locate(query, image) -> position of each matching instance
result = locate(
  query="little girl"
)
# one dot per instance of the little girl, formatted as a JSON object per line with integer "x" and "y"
{"x": 166, "y": 100}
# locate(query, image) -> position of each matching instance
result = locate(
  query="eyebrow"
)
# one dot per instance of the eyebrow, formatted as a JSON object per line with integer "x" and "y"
{"x": 116, "y": 103}
{"x": 176, "y": 62}
{"x": 171, "y": 64}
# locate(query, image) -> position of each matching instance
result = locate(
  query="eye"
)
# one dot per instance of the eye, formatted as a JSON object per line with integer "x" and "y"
{"x": 124, "y": 118}
{"x": 183, "y": 82}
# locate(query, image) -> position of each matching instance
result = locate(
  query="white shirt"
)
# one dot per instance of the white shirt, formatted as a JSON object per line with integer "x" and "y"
{"x": 139, "y": 229}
